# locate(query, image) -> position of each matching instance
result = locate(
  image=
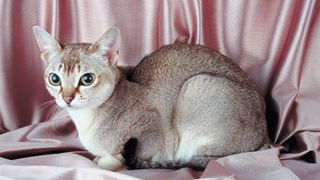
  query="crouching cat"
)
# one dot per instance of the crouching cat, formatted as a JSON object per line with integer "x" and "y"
{"x": 183, "y": 104}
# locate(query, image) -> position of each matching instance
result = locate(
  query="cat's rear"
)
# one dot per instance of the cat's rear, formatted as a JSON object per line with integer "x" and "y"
{"x": 214, "y": 106}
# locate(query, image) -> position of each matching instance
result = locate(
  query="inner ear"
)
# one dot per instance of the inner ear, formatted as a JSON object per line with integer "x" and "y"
{"x": 112, "y": 57}
{"x": 48, "y": 45}
{"x": 108, "y": 45}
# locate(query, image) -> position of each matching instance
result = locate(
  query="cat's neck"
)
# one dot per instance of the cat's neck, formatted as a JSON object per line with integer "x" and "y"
{"x": 82, "y": 118}
{"x": 125, "y": 93}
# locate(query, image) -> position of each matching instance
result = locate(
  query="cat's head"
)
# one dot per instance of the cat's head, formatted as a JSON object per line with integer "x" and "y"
{"x": 80, "y": 75}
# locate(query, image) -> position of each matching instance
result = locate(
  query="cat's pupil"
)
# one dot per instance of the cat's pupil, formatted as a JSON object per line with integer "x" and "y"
{"x": 54, "y": 79}
{"x": 87, "y": 79}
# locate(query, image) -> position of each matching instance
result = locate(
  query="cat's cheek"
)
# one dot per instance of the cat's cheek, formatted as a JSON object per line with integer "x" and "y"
{"x": 53, "y": 91}
{"x": 104, "y": 93}
{"x": 61, "y": 103}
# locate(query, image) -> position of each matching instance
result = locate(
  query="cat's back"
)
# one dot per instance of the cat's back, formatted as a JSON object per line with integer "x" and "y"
{"x": 171, "y": 65}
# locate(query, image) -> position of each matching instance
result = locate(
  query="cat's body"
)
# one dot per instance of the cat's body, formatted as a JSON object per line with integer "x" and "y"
{"x": 184, "y": 104}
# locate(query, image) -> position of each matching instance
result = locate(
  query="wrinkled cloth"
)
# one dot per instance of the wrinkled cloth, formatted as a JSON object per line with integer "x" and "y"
{"x": 276, "y": 42}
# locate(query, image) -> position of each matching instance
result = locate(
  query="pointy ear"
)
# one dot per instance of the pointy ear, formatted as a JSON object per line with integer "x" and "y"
{"x": 108, "y": 45}
{"x": 48, "y": 45}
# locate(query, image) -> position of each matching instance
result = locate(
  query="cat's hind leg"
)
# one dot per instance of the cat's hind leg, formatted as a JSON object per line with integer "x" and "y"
{"x": 200, "y": 111}
{"x": 215, "y": 116}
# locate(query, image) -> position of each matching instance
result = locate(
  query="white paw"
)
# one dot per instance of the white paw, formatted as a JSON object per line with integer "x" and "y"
{"x": 109, "y": 162}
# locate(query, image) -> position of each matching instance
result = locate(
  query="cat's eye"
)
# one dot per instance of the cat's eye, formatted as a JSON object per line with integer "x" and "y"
{"x": 54, "y": 79}
{"x": 87, "y": 79}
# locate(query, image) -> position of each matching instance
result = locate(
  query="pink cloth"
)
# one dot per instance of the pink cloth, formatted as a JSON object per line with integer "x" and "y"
{"x": 276, "y": 42}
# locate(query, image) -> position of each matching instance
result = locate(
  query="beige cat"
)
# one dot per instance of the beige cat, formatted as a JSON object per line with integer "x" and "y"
{"x": 183, "y": 104}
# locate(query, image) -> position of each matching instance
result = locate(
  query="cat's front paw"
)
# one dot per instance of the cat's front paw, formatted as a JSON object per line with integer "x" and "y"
{"x": 110, "y": 162}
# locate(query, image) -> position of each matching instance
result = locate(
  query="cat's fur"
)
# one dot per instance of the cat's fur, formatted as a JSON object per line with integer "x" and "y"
{"x": 184, "y": 104}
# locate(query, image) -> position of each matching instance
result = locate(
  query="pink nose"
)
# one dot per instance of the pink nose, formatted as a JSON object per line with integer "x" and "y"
{"x": 68, "y": 99}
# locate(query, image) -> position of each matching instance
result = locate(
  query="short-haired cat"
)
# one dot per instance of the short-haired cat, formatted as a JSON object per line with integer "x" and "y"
{"x": 183, "y": 104}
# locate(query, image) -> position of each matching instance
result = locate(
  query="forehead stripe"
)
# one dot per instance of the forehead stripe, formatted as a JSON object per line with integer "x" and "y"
{"x": 68, "y": 68}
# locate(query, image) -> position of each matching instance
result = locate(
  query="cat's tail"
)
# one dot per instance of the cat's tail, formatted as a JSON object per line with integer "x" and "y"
{"x": 196, "y": 163}
{"x": 132, "y": 162}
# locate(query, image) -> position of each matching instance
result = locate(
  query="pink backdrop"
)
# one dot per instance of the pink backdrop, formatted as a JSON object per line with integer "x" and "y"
{"x": 276, "y": 42}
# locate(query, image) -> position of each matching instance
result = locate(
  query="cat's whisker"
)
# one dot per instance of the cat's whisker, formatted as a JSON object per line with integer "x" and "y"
{"x": 56, "y": 115}
{"x": 53, "y": 111}
{"x": 47, "y": 104}
{"x": 50, "y": 111}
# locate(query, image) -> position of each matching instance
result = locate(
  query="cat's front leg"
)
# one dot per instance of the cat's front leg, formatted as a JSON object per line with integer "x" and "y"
{"x": 110, "y": 162}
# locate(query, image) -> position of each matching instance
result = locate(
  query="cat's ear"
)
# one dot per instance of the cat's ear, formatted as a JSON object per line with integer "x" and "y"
{"x": 48, "y": 45}
{"x": 108, "y": 45}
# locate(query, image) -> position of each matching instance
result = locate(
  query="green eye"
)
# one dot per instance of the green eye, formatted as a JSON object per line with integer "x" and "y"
{"x": 54, "y": 79}
{"x": 87, "y": 79}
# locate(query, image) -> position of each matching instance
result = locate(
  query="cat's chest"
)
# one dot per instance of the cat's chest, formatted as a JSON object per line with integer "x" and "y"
{"x": 83, "y": 119}
{"x": 92, "y": 144}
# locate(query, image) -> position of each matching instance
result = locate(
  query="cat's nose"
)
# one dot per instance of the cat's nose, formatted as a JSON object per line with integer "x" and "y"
{"x": 68, "y": 99}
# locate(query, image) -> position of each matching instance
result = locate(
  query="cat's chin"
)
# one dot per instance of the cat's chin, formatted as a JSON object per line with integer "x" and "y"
{"x": 72, "y": 106}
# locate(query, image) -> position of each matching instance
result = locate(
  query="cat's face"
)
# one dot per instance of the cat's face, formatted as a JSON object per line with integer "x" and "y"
{"x": 80, "y": 75}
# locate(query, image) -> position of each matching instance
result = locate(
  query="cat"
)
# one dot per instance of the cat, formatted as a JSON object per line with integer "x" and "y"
{"x": 181, "y": 106}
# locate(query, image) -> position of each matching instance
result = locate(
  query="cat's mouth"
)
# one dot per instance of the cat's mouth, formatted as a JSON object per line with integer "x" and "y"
{"x": 72, "y": 107}
{"x": 75, "y": 104}
{"x": 78, "y": 103}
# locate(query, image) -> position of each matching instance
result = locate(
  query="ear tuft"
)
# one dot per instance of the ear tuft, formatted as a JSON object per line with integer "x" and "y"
{"x": 108, "y": 45}
{"x": 48, "y": 45}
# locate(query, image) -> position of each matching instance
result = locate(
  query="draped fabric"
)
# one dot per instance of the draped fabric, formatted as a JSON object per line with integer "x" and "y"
{"x": 276, "y": 42}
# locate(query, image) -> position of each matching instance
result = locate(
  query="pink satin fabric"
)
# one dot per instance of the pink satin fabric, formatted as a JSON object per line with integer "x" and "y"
{"x": 275, "y": 42}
